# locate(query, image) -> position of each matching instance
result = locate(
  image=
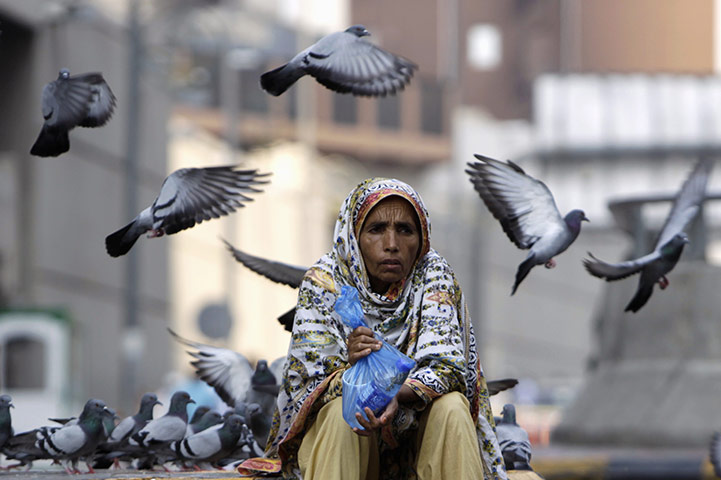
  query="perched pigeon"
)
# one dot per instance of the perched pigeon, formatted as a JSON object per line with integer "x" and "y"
{"x": 81, "y": 100}
{"x": 129, "y": 426}
{"x": 715, "y": 450}
{"x": 527, "y": 212}
{"x": 212, "y": 444}
{"x": 73, "y": 442}
{"x": 206, "y": 420}
{"x": 346, "y": 63}
{"x": 669, "y": 246}
{"x": 232, "y": 377}
{"x": 188, "y": 196}
{"x": 278, "y": 272}
{"x": 259, "y": 422}
{"x": 6, "y": 427}
{"x": 168, "y": 428}
{"x": 513, "y": 440}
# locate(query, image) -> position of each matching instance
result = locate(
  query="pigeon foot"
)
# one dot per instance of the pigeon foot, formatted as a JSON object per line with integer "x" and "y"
{"x": 158, "y": 232}
{"x": 550, "y": 264}
{"x": 663, "y": 282}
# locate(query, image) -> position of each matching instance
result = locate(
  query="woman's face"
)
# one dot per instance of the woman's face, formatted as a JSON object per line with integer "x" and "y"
{"x": 389, "y": 242}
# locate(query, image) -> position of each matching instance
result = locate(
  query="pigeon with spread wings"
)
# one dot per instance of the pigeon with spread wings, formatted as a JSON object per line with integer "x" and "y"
{"x": 83, "y": 100}
{"x": 188, "y": 196}
{"x": 669, "y": 246}
{"x": 527, "y": 212}
{"x": 232, "y": 377}
{"x": 278, "y": 272}
{"x": 346, "y": 63}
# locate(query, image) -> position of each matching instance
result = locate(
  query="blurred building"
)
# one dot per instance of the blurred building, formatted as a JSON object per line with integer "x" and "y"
{"x": 64, "y": 319}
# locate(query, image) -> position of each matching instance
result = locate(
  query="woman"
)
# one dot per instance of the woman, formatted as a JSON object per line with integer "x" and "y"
{"x": 441, "y": 418}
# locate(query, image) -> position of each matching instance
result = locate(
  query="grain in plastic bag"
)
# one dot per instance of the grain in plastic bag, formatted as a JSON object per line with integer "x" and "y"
{"x": 374, "y": 379}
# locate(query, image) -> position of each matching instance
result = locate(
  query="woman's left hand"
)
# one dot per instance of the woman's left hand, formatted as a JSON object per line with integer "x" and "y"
{"x": 376, "y": 423}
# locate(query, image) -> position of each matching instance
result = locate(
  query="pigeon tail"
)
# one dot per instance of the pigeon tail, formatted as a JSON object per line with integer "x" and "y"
{"x": 120, "y": 242}
{"x": 522, "y": 272}
{"x": 51, "y": 142}
{"x": 280, "y": 79}
{"x": 287, "y": 319}
{"x": 639, "y": 300}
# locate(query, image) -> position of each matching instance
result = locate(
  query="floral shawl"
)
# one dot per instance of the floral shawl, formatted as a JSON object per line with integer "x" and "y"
{"x": 425, "y": 316}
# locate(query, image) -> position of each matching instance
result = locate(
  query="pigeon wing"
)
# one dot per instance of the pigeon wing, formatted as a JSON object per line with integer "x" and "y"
{"x": 164, "y": 429}
{"x": 687, "y": 203}
{"x": 65, "y": 441}
{"x": 276, "y": 271}
{"x": 102, "y": 100}
{"x": 65, "y": 102}
{"x": 192, "y": 195}
{"x": 122, "y": 430}
{"x": 616, "y": 271}
{"x": 228, "y": 372}
{"x": 497, "y": 386}
{"x": 523, "y": 205}
{"x": 346, "y": 63}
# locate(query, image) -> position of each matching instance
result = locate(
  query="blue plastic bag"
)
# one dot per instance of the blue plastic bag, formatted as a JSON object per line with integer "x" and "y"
{"x": 374, "y": 379}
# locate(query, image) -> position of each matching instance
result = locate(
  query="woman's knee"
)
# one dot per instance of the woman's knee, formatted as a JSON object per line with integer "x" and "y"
{"x": 452, "y": 406}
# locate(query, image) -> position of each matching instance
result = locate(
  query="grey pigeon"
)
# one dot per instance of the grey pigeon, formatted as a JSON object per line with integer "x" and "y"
{"x": 211, "y": 444}
{"x": 513, "y": 440}
{"x": 6, "y": 427}
{"x": 81, "y": 100}
{"x": 206, "y": 420}
{"x": 231, "y": 375}
{"x": 259, "y": 422}
{"x": 669, "y": 246}
{"x": 168, "y": 428}
{"x": 346, "y": 63}
{"x": 527, "y": 212}
{"x": 188, "y": 196}
{"x": 715, "y": 453}
{"x": 73, "y": 442}
{"x": 278, "y": 272}
{"x": 129, "y": 426}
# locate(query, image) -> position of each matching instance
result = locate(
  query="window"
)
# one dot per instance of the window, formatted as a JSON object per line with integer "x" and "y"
{"x": 431, "y": 106}
{"x": 389, "y": 112}
{"x": 345, "y": 109}
{"x": 24, "y": 363}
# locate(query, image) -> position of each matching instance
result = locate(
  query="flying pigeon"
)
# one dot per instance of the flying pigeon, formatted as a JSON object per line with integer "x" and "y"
{"x": 81, "y": 100}
{"x": 513, "y": 440}
{"x": 346, "y": 63}
{"x": 498, "y": 386}
{"x": 232, "y": 377}
{"x": 278, "y": 272}
{"x": 527, "y": 212}
{"x": 188, "y": 196}
{"x": 168, "y": 428}
{"x": 211, "y": 444}
{"x": 669, "y": 246}
{"x": 73, "y": 442}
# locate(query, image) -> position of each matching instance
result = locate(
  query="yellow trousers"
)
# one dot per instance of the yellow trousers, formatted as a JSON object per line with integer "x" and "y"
{"x": 446, "y": 445}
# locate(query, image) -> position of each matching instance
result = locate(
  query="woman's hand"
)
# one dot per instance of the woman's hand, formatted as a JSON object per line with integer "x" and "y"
{"x": 373, "y": 423}
{"x": 361, "y": 343}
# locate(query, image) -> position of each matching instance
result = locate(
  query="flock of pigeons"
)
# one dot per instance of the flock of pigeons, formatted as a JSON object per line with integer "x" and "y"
{"x": 346, "y": 63}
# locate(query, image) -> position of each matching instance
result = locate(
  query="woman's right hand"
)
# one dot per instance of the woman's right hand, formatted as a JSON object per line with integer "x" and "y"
{"x": 361, "y": 342}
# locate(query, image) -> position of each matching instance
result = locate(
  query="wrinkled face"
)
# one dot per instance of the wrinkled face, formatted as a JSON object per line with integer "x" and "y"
{"x": 389, "y": 242}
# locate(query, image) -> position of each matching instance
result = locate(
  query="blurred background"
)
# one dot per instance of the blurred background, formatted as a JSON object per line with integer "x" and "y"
{"x": 609, "y": 102}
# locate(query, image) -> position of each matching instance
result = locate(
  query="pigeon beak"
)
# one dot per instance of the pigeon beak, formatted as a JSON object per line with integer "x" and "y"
{"x": 158, "y": 402}
{"x": 585, "y": 219}
{"x": 191, "y": 401}
{"x": 365, "y": 33}
{"x": 12, "y": 406}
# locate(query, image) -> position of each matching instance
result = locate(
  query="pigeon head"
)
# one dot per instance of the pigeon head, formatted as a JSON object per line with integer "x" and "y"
{"x": 209, "y": 418}
{"x": 179, "y": 402}
{"x": 6, "y": 401}
{"x": 509, "y": 414}
{"x": 358, "y": 30}
{"x": 149, "y": 400}
{"x": 574, "y": 218}
{"x": 234, "y": 423}
{"x": 64, "y": 73}
{"x": 674, "y": 245}
{"x": 94, "y": 406}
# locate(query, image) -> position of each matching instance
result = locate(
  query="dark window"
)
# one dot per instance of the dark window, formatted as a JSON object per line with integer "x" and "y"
{"x": 24, "y": 363}
{"x": 389, "y": 112}
{"x": 345, "y": 109}
{"x": 431, "y": 107}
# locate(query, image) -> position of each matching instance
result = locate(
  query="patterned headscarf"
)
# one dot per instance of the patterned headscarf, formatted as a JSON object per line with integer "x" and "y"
{"x": 424, "y": 316}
